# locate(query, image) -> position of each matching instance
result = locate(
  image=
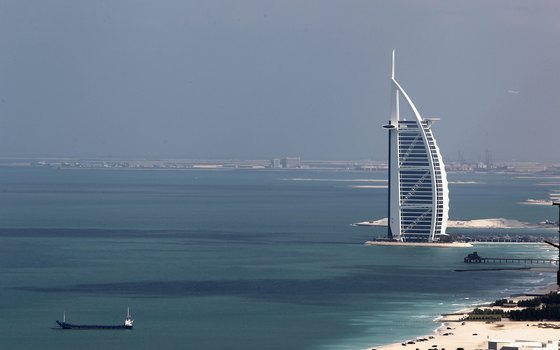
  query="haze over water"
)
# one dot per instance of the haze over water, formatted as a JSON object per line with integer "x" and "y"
{"x": 256, "y": 80}
{"x": 236, "y": 259}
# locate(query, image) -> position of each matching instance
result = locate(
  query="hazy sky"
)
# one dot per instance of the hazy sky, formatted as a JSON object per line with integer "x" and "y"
{"x": 262, "y": 79}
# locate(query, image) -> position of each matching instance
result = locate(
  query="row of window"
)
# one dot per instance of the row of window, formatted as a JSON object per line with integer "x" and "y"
{"x": 415, "y": 164}
{"x": 423, "y": 219}
{"x": 420, "y": 176}
{"x": 414, "y": 210}
{"x": 417, "y": 195}
{"x": 412, "y": 147}
{"x": 412, "y": 185}
{"x": 412, "y": 156}
{"x": 416, "y": 235}
{"x": 414, "y": 172}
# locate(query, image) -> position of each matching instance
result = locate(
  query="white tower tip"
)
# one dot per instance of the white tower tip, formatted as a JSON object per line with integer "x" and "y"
{"x": 393, "y": 66}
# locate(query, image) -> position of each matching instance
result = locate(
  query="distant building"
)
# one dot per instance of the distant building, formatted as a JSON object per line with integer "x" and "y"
{"x": 275, "y": 163}
{"x": 418, "y": 200}
{"x": 291, "y": 162}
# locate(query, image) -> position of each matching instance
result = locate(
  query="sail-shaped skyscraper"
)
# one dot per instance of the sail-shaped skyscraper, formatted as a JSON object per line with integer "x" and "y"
{"x": 418, "y": 200}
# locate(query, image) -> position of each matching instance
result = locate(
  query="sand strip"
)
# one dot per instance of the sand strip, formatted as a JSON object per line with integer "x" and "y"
{"x": 420, "y": 244}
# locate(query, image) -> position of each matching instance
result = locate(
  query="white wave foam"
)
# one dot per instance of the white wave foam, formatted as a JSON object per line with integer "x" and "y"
{"x": 421, "y": 316}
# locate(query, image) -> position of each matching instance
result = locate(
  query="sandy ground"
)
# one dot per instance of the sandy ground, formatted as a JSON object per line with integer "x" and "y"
{"x": 480, "y": 223}
{"x": 421, "y": 244}
{"x": 472, "y": 335}
{"x": 488, "y": 223}
{"x": 475, "y": 335}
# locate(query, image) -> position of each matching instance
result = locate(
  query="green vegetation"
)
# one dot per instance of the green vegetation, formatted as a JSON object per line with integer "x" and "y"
{"x": 500, "y": 302}
{"x": 485, "y": 315}
{"x": 549, "y": 299}
{"x": 478, "y": 311}
{"x": 529, "y": 303}
{"x": 546, "y": 312}
{"x": 546, "y": 307}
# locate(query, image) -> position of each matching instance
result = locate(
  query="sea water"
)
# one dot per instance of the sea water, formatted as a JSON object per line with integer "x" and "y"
{"x": 239, "y": 259}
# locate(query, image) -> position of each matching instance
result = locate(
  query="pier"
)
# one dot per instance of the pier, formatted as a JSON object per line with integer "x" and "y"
{"x": 474, "y": 258}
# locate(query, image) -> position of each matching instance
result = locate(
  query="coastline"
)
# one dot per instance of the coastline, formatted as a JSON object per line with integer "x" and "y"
{"x": 489, "y": 223}
{"x": 419, "y": 244}
{"x": 452, "y": 333}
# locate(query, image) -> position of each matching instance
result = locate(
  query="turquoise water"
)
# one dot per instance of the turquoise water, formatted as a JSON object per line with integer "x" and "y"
{"x": 236, "y": 259}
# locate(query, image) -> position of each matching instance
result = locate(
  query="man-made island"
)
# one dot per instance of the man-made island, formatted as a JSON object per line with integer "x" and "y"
{"x": 477, "y": 223}
{"x": 420, "y": 244}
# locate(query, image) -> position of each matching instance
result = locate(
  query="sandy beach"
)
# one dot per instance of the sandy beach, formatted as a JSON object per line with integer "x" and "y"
{"x": 420, "y": 244}
{"x": 477, "y": 223}
{"x": 472, "y": 335}
{"x": 475, "y": 335}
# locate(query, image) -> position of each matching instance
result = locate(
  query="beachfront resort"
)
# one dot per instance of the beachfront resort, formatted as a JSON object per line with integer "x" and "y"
{"x": 527, "y": 322}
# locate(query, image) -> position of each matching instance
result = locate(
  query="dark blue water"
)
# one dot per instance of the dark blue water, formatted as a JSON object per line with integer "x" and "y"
{"x": 234, "y": 259}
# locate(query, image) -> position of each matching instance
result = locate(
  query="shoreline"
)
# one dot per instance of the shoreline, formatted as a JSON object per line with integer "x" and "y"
{"x": 488, "y": 223}
{"x": 453, "y": 333}
{"x": 419, "y": 244}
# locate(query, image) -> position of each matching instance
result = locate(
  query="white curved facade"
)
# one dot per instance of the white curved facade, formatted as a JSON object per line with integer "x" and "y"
{"x": 418, "y": 192}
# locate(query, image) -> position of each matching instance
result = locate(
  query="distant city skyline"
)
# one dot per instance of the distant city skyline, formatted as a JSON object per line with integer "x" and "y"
{"x": 246, "y": 80}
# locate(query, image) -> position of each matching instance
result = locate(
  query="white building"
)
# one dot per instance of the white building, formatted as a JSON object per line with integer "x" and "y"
{"x": 291, "y": 162}
{"x": 521, "y": 345}
{"x": 275, "y": 163}
{"x": 418, "y": 194}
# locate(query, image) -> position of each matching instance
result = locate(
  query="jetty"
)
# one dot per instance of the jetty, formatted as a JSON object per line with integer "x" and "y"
{"x": 474, "y": 258}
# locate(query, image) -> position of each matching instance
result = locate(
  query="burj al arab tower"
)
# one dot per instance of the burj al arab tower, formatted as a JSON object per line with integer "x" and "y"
{"x": 418, "y": 194}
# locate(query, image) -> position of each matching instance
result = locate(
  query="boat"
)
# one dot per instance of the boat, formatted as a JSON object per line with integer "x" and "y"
{"x": 128, "y": 324}
{"x": 538, "y": 201}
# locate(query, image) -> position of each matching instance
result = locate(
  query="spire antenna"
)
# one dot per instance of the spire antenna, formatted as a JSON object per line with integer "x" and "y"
{"x": 393, "y": 66}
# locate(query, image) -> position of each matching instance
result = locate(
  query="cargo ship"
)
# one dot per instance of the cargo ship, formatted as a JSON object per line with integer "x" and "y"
{"x": 127, "y": 324}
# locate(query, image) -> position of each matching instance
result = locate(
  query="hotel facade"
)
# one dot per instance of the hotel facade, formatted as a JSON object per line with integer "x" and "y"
{"x": 418, "y": 199}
